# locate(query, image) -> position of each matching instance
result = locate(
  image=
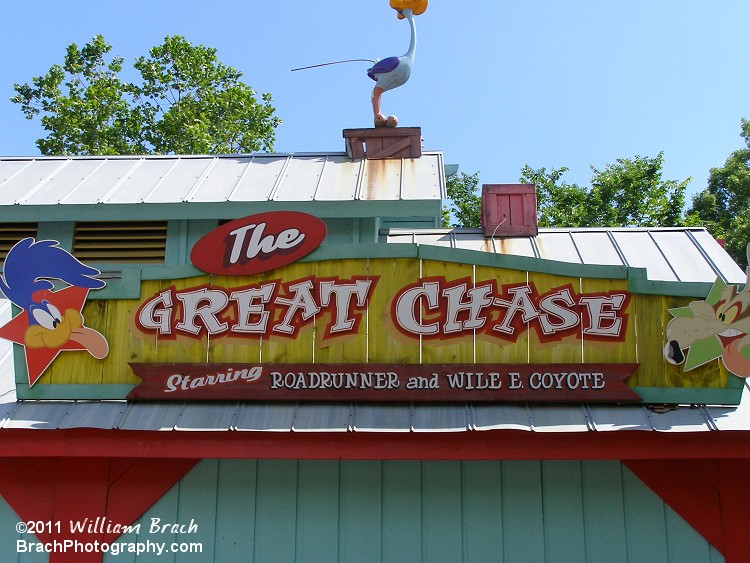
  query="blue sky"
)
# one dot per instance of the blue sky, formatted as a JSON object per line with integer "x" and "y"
{"x": 496, "y": 85}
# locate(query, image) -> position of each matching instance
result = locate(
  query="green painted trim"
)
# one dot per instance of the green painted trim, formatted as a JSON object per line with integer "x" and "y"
{"x": 128, "y": 286}
{"x": 639, "y": 283}
{"x": 689, "y": 395}
{"x": 523, "y": 263}
{"x": 19, "y": 364}
{"x": 62, "y": 392}
{"x": 218, "y": 210}
{"x": 62, "y": 232}
{"x": 347, "y": 251}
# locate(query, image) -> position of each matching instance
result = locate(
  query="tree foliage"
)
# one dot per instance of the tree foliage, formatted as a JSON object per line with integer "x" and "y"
{"x": 724, "y": 206}
{"x": 186, "y": 102}
{"x": 465, "y": 202}
{"x": 630, "y": 192}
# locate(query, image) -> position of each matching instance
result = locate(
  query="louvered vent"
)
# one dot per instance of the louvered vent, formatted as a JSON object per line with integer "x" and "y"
{"x": 11, "y": 233}
{"x": 142, "y": 242}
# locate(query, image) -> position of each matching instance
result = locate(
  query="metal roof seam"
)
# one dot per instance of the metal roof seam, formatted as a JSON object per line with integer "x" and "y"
{"x": 534, "y": 247}
{"x": 589, "y": 418}
{"x": 659, "y": 248}
{"x": 82, "y": 182}
{"x": 280, "y": 179}
{"x": 235, "y": 415}
{"x": 529, "y": 417}
{"x": 16, "y": 173}
{"x": 121, "y": 180}
{"x": 469, "y": 411}
{"x": 161, "y": 180}
{"x": 710, "y": 422}
{"x": 42, "y": 182}
{"x": 294, "y": 417}
{"x": 320, "y": 179}
{"x": 705, "y": 255}
{"x": 575, "y": 247}
{"x": 401, "y": 180}
{"x": 240, "y": 179}
{"x": 649, "y": 419}
{"x": 202, "y": 178}
{"x": 617, "y": 248}
{"x": 360, "y": 179}
{"x": 176, "y": 424}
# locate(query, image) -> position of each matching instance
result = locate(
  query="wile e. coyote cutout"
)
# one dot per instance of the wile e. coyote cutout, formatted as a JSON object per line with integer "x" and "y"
{"x": 718, "y": 327}
{"x": 51, "y": 321}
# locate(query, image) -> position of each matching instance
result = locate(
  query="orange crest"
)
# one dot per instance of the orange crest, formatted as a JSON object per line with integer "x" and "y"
{"x": 416, "y": 6}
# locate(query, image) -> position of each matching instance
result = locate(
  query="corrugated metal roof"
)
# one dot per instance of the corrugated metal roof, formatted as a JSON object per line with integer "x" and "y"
{"x": 667, "y": 254}
{"x": 213, "y": 179}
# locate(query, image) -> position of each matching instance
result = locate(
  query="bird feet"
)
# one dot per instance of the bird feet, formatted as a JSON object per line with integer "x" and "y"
{"x": 383, "y": 121}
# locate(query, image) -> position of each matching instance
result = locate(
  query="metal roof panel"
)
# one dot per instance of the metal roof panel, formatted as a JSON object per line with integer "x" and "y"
{"x": 640, "y": 251}
{"x": 94, "y": 414}
{"x": 220, "y": 181}
{"x": 268, "y": 417}
{"x": 500, "y": 417}
{"x": 97, "y": 186}
{"x": 27, "y": 179}
{"x": 595, "y": 247}
{"x": 683, "y": 255}
{"x": 260, "y": 178}
{"x": 151, "y": 416}
{"x": 558, "y": 418}
{"x": 382, "y": 417}
{"x": 440, "y": 418}
{"x": 181, "y": 179}
{"x": 716, "y": 255}
{"x": 207, "y": 416}
{"x": 606, "y": 418}
{"x": 322, "y": 417}
{"x": 558, "y": 246}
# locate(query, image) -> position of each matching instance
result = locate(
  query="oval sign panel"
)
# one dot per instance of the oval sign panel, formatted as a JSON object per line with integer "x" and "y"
{"x": 258, "y": 243}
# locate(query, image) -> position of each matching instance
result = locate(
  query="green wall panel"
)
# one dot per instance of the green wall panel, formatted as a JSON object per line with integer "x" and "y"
{"x": 402, "y": 511}
{"x": 406, "y": 511}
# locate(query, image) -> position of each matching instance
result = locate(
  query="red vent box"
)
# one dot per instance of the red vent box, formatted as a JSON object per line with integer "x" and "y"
{"x": 509, "y": 210}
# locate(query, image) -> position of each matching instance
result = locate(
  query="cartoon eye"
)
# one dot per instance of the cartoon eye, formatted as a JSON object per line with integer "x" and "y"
{"x": 728, "y": 316}
{"x": 48, "y": 317}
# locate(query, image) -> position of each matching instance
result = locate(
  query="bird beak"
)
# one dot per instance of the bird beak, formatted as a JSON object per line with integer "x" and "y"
{"x": 70, "y": 328}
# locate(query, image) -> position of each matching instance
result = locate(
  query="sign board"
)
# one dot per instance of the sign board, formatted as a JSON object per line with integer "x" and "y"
{"x": 403, "y": 324}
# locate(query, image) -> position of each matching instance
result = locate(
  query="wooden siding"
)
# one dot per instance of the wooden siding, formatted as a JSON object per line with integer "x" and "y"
{"x": 275, "y": 510}
{"x": 377, "y": 340}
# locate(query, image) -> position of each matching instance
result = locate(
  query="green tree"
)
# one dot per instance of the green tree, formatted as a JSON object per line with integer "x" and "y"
{"x": 724, "y": 206}
{"x": 465, "y": 202}
{"x": 630, "y": 192}
{"x": 186, "y": 102}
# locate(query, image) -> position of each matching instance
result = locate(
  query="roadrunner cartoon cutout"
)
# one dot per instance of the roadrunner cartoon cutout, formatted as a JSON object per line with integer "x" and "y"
{"x": 718, "y": 327}
{"x": 51, "y": 321}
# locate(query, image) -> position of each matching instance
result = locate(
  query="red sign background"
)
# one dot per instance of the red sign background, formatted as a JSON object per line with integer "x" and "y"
{"x": 258, "y": 243}
{"x": 385, "y": 382}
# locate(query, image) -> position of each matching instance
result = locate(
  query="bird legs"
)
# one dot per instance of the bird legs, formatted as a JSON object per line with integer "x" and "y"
{"x": 380, "y": 119}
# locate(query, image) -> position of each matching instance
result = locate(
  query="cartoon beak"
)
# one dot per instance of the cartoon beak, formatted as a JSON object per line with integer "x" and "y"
{"x": 69, "y": 328}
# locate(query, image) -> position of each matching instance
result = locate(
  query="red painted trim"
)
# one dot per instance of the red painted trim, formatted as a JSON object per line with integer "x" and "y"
{"x": 96, "y": 492}
{"x": 687, "y": 491}
{"x": 711, "y": 495}
{"x": 475, "y": 445}
{"x": 735, "y": 499}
